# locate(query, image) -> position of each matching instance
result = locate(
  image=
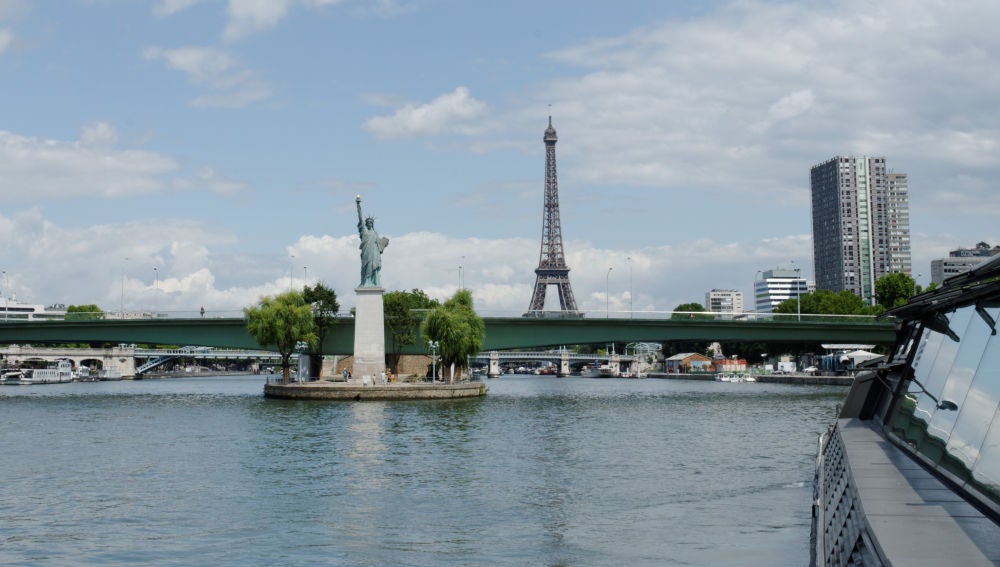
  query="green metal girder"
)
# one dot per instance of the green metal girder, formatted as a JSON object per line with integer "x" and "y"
{"x": 502, "y": 333}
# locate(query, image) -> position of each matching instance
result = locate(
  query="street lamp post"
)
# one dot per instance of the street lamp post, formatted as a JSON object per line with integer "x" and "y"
{"x": 156, "y": 278}
{"x": 607, "y": 301}
{"x": 629, "y": 260}
{"x": 433, "y": 345}
{"x": 798, "y": 294}
{"x": 305, "y": 276}
{"x": 122, "y": 312}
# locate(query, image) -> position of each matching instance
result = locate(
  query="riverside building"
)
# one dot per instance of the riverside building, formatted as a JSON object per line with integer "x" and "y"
{"x": 860, "y": 223}
{"x": 775, "y": 286}
{"x": 724, "y": 301}
{"x": 961, "y": 261}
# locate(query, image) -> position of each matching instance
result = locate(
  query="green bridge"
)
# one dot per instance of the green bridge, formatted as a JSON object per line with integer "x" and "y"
{"x": 502, "y": 333}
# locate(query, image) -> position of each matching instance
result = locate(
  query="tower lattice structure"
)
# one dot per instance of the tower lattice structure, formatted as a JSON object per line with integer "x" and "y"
{"x": 552, "y": 268}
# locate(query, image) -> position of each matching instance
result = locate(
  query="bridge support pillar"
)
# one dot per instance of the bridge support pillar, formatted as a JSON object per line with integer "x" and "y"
{"x": 494, "y": 369}
{"x": 615, "y": 362}
{"x": 564, "y": 364}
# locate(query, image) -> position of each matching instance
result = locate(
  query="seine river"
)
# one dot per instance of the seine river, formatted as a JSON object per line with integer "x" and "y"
{"x": 542, "y": 471}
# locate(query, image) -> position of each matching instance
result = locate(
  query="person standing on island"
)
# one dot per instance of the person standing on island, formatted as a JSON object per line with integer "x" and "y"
{"x": 371, "y": 249}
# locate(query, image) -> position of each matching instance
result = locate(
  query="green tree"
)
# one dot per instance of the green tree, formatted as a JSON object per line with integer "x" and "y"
{"x": 688, "y": 310}
{"x": 457, "y": 328}
{"x": 88, "y": 312}
{"x": 283, "y": 321}
{"x": 402, "y": 319}
{"x": 893, "y": 290}
{"x": 323, "y": 302}
{"x": 826, "y": 302}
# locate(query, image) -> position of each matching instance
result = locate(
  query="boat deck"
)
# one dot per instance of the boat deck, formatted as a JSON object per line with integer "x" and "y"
{"x": 915, "y": 518}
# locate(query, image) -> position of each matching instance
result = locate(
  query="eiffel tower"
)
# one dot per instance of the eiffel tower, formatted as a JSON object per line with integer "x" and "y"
{"x": 552, "y": 269}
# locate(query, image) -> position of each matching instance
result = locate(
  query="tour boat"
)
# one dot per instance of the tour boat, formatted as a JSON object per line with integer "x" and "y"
{"x": 61, "y": 372}
{"x": 910, "y": 471}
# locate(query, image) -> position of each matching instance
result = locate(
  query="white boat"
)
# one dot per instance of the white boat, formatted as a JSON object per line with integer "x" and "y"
{"x": 84, "y": 374}
{"x": 61, "y": 372}
{"x": 607, "y": 371}
{"x": 12, "y": 377}
{"x": 109, "y": 374}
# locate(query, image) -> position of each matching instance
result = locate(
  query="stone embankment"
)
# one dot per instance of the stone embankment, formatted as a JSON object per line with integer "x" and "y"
{"x": 804, "y": 379}
{"x": 355, "y": 391}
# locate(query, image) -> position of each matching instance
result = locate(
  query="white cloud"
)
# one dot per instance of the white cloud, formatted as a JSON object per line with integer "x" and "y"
{"x": 250, "y": 16}
{"x": 170, "y": 7}
{"x": 90, "y": 167}
{"x": 210, "y": 179}
{"x": 99, "y": 134}
{"x": 6, "y": 39}
{"x": 454, "y": 112}
{"x": 216, "y": 70}
{"x": 747, "y": 98}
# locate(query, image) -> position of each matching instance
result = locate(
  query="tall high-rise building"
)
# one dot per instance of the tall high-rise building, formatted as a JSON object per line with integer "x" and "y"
{"x": 860, "y": 222}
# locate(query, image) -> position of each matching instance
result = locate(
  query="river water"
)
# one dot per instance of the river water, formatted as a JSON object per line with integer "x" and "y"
{"x": 542, "y": 471}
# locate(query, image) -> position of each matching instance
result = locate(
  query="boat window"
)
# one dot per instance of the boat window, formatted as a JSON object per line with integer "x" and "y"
{"x": 934, "y": 376}
{"x": 960, "y": 427}
{"x": 965, "y": 441}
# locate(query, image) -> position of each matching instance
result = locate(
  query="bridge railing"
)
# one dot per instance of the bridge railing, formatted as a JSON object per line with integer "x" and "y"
{"x": 748, "y": 317}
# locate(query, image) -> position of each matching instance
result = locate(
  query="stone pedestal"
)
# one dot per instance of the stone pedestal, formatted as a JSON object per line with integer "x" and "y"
{"x": 369, "y": 335}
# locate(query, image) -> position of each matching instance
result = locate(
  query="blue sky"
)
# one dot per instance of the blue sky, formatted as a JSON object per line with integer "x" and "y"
{"x": 218, "y": 145}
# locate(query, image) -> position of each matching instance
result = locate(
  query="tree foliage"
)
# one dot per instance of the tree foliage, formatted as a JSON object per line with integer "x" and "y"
{"x": 89, "y": 312}
{"x": 457, "y": 328}
{"x": 282, "y": 321}
{"x": 893, "y": 290}
{"x": 403, "y": 317}
{"x": 826, "y": 302}
{"x": 689, "y": 310}
{"x": 322, "y": 300}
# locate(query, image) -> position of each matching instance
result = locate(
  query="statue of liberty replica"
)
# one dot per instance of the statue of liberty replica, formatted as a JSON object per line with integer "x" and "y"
{"x": 369, "y": 315}
{"x": 371, "y": 249}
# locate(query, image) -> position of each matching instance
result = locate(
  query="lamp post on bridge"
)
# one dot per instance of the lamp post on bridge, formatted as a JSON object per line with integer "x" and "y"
{"x": 607, "y": 301}
{"x": 629, "y": 260}
{"x": 305, "y": 276}
{"x": 122, "y": 312}
{"x": 798, "y": 294}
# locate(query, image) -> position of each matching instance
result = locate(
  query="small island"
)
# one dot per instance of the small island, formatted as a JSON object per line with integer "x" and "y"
{"x": 287, "y": 320}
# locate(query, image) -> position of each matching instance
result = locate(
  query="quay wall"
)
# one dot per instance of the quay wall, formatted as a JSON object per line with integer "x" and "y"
{"x": 802, "y": 379}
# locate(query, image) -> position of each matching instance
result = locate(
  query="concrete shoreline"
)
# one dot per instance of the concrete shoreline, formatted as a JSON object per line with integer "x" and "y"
{"x": 344, "y": 391}
{"x": 801, "y": 379}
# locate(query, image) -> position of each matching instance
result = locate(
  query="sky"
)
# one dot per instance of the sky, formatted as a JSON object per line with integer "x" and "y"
{"x": 174, "y": 154}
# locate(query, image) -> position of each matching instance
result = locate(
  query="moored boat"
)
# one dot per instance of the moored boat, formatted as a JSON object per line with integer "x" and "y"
{"x": 109, "y": 374}
{"x": 12, "y": 377}
{"x": 60, "y": 373}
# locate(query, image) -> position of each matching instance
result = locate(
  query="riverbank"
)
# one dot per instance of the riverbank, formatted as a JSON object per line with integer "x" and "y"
{"x": 801, "y": 379}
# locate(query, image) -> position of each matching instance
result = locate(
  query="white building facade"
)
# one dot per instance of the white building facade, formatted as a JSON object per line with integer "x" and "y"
{"x": 724, "y": 301}
{"x": 773, "y": 287}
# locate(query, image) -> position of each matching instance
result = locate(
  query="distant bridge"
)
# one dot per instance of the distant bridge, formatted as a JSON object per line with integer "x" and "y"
{"x": 502, "y": 333}
{"x": 123, "y": 356}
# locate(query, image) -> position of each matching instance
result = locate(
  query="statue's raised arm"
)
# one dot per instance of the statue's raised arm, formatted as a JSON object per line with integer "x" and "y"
{"x": 371, "y": 249}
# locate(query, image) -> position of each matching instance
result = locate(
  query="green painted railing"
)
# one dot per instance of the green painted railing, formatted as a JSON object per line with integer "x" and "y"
{"x": 502, "y": 333}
